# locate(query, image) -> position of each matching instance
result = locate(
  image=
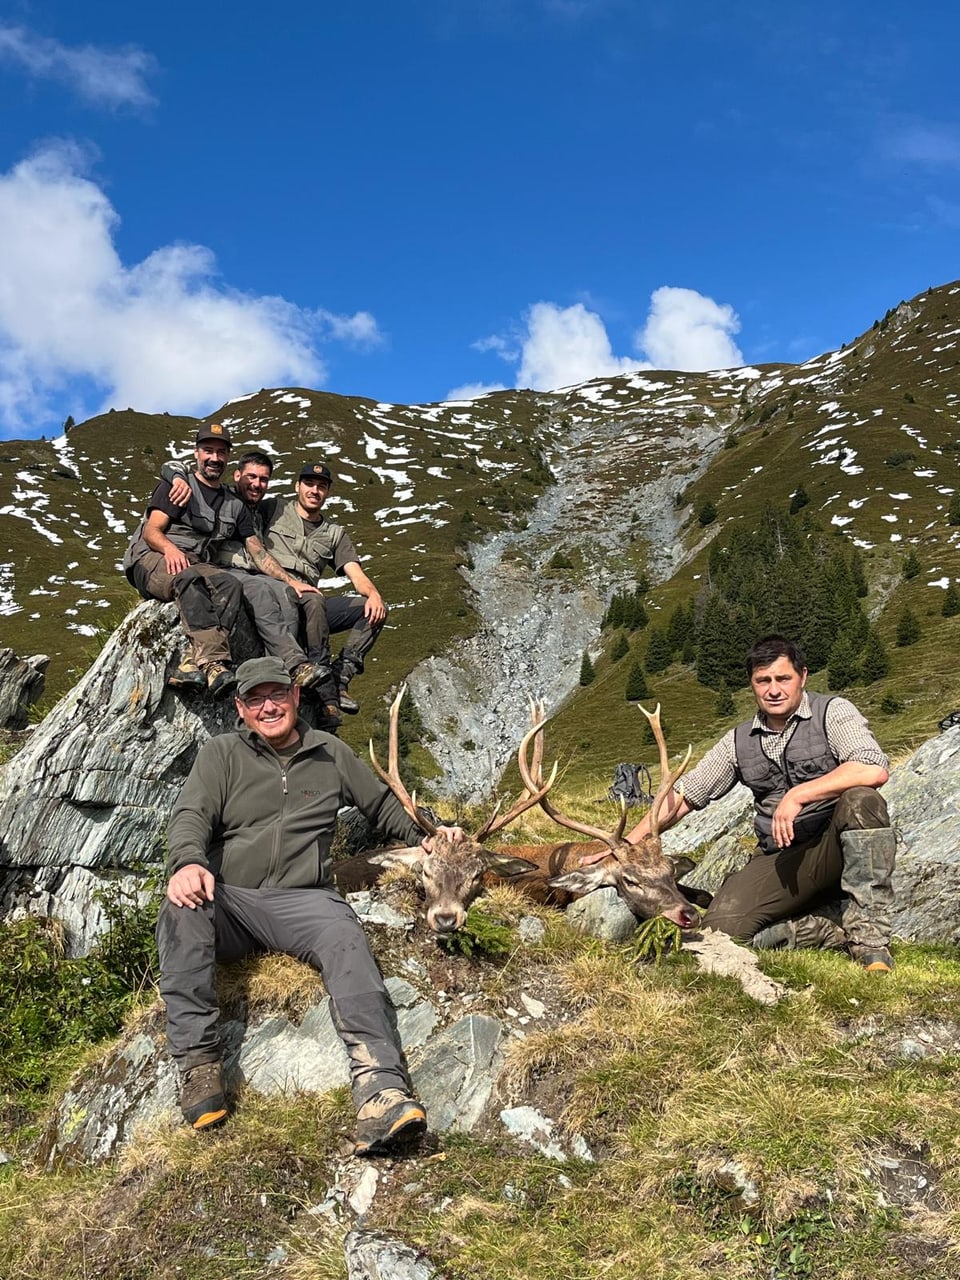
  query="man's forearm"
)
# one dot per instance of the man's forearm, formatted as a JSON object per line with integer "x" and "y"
{"x": 830, "y": 785}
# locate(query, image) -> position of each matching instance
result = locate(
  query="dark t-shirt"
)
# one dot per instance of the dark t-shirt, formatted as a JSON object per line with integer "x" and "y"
{"x": 343, "y": 553}
{"x": 160, "y": 501}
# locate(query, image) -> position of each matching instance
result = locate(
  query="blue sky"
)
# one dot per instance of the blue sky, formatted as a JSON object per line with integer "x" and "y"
{"x": 408, "y": 200}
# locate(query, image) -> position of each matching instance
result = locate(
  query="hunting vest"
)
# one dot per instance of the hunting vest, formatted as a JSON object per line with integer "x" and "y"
{"x": 299, "y": 552}
{"x": 199, "y": 532}
{"x": 807, "y": 755}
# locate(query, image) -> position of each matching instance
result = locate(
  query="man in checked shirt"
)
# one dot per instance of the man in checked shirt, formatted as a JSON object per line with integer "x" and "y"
{"x": 822, "y": 826}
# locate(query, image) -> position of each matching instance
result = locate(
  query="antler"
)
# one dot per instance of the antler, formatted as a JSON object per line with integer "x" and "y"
{"x": 667, "y": 776}
{"x": 533, "y": 781}
{"x": 535, "y": 792}
{"x": 391, "y": 775}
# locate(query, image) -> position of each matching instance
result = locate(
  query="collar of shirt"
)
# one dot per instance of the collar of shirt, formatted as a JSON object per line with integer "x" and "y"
{"x": 802, "y": 712}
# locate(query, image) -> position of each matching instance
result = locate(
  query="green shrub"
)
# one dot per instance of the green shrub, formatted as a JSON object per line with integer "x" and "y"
{"x": 52, "y": 1007}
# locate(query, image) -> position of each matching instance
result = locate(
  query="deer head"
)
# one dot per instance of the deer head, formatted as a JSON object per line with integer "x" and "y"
{"x": 644, "y": 877}
{"x": 452, "y": 873}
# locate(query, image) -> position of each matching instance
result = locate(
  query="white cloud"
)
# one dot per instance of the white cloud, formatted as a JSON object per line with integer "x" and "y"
{"x": 565, "y": 345}
{"x": 686, "y": 330}
{"x": 562, "y": 345}
{"x": 161, "y": 334}
{"x": 933, "y": 145}
{"x": 473, "y": 390}
{"x": 112, "y": 77}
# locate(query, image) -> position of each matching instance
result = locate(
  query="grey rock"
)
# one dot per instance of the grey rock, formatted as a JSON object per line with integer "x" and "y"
{"x": 374, "y": 1255}
{"x": 529, "y": 1125}
{"x": 362, "y": 1197}
{"x": 21, "y": 684}
{"x": 603, "y": 914}
{"x": 372, "y": 910}
{"x": 278, "y": 1057}
{"x": 531, "y": 929}
{"x": 456, "y": 1074}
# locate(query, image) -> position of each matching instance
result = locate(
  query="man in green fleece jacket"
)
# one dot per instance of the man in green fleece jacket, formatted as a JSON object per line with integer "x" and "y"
{"x": 250, "y": 871}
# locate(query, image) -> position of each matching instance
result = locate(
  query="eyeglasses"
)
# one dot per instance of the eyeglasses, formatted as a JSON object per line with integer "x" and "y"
{"x": 259, "y": 700}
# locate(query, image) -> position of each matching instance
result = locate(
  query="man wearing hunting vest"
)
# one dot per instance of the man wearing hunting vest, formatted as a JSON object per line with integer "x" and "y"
{"x": 172, "y": 557}
{"x": 822, "y": 827}
{"x": 306, "y": 543}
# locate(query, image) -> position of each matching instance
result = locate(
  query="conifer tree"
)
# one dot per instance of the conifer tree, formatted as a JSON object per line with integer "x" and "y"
{"x": 858, "y": 575}
{"x": 874, "y": 663}
{"x": 637, "y": 688}
{"x": 951, "y": 601}
{"x": 953, "y": 511}
{"x": 842, "y": 669}
{"x": 725, "y": 706}
{"x": 659, "y": 653}
{"x": 635, "y": 615}
{"x": 621, "y": 647}
{"x": 678, "y": 628}
{"x": 911, "y": 565}
{"x": 908, "y": 628}
{"x": 587, "y": 672}
{"x": 798, "y": 499}
{"x": 707, "y": 513}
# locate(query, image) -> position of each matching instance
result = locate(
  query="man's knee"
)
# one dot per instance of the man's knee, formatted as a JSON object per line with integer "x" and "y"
{"x": 861, "y": 808}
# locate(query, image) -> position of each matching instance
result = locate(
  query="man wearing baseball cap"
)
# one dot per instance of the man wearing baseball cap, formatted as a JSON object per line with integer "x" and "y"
{"x": 172, "y": 556}
{"x": 306, "y": 543}
{"x": 250, "y": 871}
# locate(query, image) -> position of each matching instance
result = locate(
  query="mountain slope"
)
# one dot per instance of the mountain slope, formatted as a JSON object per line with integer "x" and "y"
{"x": 460, "y": 509}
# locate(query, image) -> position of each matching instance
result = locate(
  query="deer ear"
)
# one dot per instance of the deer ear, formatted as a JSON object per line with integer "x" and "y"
{"x": 504, "y": 865}
{"x": 411, "y": 858}
{"x": 681, "y": 866}
{"x": 585, "y": 879}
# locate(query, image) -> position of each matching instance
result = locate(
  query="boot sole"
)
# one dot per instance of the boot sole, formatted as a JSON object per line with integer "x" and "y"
{"x": 207, "y": 1119}
{"x": 410, "y": 1125}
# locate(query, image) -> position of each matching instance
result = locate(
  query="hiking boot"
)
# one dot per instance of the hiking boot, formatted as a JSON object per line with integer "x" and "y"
{"x": 328, "y": 717}
{"x": 220, "y": 679}
{"x": 305, "y": 675}
{"x": 350, "y": 705}
{"x": 390, "y": 1117}
{"x": 201, "y": 1096}
{"x": 187, "y": 676}
{"x": 875, "y": 960}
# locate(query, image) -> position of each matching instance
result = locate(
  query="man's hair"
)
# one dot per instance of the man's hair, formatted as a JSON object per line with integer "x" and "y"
{"x": 255, "y": 458}
{"x": 767, "y": 650}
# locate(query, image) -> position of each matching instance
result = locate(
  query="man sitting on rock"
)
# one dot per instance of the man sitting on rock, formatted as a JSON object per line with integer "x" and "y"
{"x": 272, "y": 604}
{"x": 250, "y": 871}
{"x": 172, "y": 555}
{"x": 822, "y": 826}
{"x": 306, "y": 543}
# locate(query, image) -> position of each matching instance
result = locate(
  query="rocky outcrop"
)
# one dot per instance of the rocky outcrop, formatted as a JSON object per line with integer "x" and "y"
{"x": 21, "y": 684}
{"x": 85, "y": 802}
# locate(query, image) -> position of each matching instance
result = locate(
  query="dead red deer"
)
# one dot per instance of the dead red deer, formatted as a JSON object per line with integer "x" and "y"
{"x": 643, "y": 876}
{"x": 455, "y": 874}
{"x": 452, "y": 874}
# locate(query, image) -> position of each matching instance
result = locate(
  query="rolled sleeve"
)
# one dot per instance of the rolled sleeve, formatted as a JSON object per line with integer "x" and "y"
{"x": 713, "y": 776}
{"x": 850, "y": 736}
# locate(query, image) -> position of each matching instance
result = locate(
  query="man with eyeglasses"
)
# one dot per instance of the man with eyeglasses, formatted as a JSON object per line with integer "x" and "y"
{"x": 250, "y": 871}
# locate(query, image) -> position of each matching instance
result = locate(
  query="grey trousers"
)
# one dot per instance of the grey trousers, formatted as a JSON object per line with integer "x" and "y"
{"x": 314, "y": 925}
{"x": 853, "y": 856}
{"x": 207, "y": 597}
{"x": 273, "y": 607}
{"x": 326, "y": 615}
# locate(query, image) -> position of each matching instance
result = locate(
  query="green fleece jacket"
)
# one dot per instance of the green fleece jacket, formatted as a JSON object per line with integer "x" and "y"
{"x": 260, "y": 822}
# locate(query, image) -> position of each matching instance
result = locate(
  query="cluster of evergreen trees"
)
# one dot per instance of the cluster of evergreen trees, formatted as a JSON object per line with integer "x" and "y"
{"x": 783, "y": 575}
